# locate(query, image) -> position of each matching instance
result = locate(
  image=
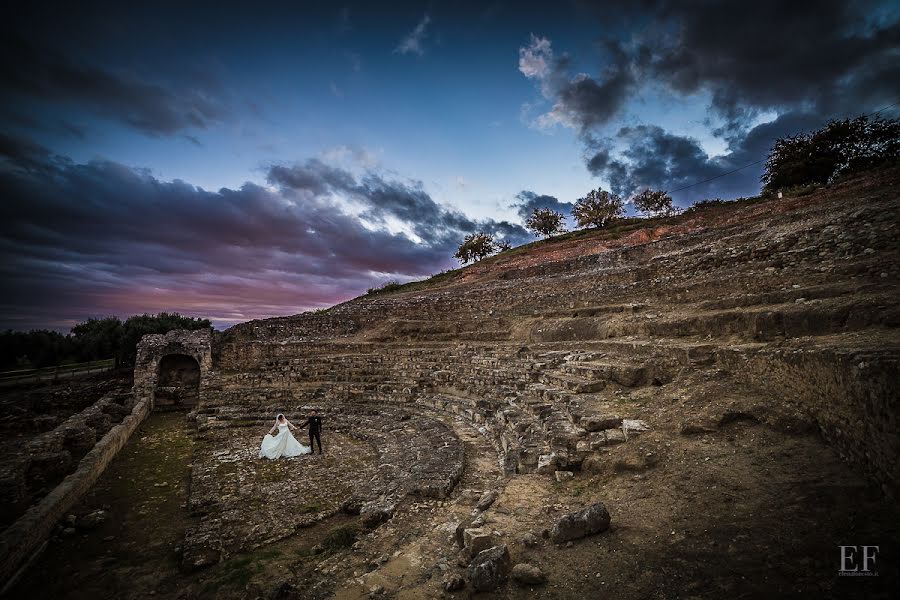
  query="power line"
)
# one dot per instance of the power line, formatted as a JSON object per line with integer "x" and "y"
{"x": 883, "y": 109}
{"x": 756, "y": 162}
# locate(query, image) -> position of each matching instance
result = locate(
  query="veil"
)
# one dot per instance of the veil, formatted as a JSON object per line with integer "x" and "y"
{"x": 278, "y": 418}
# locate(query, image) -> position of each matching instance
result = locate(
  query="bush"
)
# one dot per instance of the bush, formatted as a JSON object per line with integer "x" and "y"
{"x": 545, "y": 222}
{"x": 598, "y": 208}
{"x": 386, "y": 287}
{"x": 840, "y": 148}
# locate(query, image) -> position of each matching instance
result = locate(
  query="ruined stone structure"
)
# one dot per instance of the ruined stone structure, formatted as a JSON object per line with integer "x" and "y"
{"x": 782, "y": 313}
{"x": 170, "y": 369}
{"x": 683, "y": 376}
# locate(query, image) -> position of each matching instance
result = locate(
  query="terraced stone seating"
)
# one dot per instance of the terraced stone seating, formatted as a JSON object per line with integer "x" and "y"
{"x": 561, "y": 363}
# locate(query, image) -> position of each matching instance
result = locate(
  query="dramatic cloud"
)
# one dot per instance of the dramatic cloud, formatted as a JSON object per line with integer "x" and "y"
{"x": 40, "y": 74}
{"x": 829, "y": 56}
{"x": 413, "y": 43}
{"x": 578, "y": 101}
{"x": 80, "y": 240}
{"x": 655, "y": 158}
{"x": 802, "y": 61}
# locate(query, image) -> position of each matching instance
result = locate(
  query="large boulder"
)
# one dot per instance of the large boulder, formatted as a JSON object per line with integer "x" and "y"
{"x": 588, "y": 521}
{"x": 490, "y": 568}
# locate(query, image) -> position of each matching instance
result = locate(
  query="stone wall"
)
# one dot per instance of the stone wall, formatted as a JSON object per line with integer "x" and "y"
{"x": 50, "y": 456}
{"x": 19, "y": 542}
{"x": 850, "y": 395}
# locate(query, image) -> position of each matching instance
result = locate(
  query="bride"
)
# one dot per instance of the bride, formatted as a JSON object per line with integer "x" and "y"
{"x": 283, "y": 442}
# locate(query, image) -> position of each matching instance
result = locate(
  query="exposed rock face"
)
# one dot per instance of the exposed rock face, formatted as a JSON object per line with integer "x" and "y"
{"x": 588, "y": 521}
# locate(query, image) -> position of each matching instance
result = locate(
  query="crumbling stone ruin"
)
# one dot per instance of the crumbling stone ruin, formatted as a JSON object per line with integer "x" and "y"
{"x": 588, "y": 395}
{"x": 785, "y": 314}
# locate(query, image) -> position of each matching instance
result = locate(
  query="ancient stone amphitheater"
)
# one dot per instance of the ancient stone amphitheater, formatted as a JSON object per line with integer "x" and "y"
{"x": 724, "y": 383}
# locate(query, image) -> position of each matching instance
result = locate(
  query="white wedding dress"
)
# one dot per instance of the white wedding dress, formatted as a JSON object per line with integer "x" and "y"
{"x": 282, "y": 444}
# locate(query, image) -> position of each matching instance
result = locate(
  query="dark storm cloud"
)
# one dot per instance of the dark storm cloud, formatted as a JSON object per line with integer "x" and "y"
{"x": 578, "y": 101}
{"x": 528, "y": 201}
{"x": 31, "y": 73}
{"x": 773, "y": 54}
{"x": 807, "y": 61}
{"x": 655, "y": 158}
{"x": 20, "y": 150}
{"x": 78, "y": 240}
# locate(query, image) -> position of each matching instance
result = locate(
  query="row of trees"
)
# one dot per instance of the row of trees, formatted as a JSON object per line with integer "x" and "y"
{"x": 841, "y": 148}
{"x": 598, "y": 208}
{"x": 94, "y": 339}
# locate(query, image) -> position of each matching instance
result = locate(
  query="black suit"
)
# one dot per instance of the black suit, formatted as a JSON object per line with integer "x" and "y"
{"x": 315, "y": 428}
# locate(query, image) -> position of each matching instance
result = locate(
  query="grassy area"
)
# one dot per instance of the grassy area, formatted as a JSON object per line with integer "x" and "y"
{"x": 108, "y": 362}
{"x": 50, "y": 373}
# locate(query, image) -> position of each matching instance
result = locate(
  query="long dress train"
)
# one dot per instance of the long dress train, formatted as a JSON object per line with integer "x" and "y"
{"x": 282, "y": 444}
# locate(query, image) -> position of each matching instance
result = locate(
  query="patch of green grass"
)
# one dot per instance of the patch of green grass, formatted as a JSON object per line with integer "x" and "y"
{"x": 385, "y": 288}
{"x": 239, "y": 571}
{"x": 340, "y": 537}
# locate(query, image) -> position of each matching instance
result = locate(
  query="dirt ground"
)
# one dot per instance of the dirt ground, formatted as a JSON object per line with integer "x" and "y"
{"x": 742, "y": 512}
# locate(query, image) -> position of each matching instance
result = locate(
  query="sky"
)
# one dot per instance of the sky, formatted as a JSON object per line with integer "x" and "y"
{"x": 262, "y": 159}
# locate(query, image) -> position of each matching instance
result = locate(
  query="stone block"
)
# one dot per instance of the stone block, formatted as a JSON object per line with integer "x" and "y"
{"x": 600, "y": 422}
{"x": 547, "y": 463}
{"x": 564, "y": 475}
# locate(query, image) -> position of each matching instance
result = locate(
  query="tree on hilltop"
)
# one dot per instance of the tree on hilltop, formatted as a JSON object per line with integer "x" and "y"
{"x": 545, "y": 222}
{"x": 597, "y": 209}
{"x": 475, "y": 246}
{"x": 840, "y": 148}
{"x": 654, "y": 203}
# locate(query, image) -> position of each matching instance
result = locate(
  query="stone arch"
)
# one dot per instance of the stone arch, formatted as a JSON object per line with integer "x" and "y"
{"x": 171, "y": 370}
{"x": 178, "y": 382}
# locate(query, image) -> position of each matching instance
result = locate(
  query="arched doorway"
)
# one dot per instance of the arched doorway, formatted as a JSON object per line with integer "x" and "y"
{"x": 178, "y": 386}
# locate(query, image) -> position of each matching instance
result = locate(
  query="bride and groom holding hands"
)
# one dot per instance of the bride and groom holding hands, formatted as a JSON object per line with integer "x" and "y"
{"x": 283, "y": 442}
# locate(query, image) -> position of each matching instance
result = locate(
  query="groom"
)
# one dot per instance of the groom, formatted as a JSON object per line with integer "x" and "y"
{"x": 315, "y": 428}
